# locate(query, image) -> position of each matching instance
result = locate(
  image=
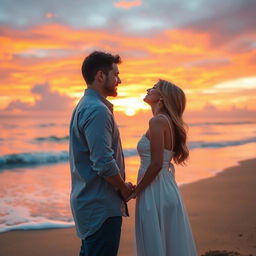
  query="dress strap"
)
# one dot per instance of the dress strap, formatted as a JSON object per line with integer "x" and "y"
{"x": 170, "y": 129}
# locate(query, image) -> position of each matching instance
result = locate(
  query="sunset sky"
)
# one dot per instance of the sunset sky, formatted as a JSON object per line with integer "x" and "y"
{"x": 207, "y": 47}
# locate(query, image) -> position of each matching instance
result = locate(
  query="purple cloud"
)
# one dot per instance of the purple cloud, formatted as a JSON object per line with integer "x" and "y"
{"x": 47, "y": 100}
{"x": 209, "y": 63}
{"x": 227, "y": 20}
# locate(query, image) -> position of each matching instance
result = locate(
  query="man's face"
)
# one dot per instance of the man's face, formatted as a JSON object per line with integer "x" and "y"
{"x": 112, "y": 81}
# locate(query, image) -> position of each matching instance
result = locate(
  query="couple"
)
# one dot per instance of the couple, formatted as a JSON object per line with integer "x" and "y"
{"x": 99, "y": 192}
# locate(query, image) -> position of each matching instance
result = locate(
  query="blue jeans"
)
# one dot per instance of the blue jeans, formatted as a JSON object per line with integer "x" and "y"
{"x": 105, "y": 241}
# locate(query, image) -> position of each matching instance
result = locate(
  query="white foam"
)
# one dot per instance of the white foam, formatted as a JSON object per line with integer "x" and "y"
{"x": 18, "y": 217}
{"x": 35, "y": 226}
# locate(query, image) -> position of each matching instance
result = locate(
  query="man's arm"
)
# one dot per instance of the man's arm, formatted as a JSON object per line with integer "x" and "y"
{"x": 97, "y": 130}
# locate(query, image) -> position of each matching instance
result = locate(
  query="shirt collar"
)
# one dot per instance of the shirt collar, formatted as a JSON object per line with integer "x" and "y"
{"x": 94, "y": 93}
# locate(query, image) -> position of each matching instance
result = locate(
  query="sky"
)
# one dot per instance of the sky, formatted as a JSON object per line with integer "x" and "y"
{"x": 206, "y": 47}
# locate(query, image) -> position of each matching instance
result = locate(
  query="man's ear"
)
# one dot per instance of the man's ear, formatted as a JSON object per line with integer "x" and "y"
{"x": 100, "y": 76}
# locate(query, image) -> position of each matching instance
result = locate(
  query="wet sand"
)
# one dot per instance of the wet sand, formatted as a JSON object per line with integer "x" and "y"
{"x": 222, "y": 211}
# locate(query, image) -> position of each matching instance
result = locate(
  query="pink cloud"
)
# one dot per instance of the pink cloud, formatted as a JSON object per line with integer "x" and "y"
{"x": 127, "y": 4}
{"x": 45, "y": 100}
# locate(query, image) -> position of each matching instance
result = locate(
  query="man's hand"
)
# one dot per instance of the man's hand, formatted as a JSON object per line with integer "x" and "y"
{"x": 132, "y": 186}
{"x": 131, "y": 194}
{"x": 126, "y": 191}
{"x": 125, "y": 188}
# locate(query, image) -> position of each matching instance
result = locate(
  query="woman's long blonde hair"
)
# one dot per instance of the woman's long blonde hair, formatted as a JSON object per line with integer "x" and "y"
{"x": 174, "y": 103}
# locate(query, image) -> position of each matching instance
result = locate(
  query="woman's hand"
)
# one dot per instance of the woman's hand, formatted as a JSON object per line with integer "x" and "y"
{"x": 132, "y": 196}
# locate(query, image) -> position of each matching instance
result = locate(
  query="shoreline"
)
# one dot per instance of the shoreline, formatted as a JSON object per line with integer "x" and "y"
{"x": 221, "y": 211}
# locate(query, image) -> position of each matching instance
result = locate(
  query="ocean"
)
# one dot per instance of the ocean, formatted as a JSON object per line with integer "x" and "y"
{"x": 34, "y": 169}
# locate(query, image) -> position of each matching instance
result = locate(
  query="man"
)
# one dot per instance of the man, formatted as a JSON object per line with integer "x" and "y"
{"x": 96, "y": 160}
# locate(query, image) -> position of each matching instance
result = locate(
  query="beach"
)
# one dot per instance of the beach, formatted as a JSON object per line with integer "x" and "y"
{"x": 221, "y": 209}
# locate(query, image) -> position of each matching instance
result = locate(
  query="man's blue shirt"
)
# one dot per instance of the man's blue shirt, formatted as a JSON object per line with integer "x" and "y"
{"x": 95, "y": 152}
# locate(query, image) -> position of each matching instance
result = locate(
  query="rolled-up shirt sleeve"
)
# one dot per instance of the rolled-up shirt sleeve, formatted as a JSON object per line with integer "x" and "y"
{"x": 98, "y": 130}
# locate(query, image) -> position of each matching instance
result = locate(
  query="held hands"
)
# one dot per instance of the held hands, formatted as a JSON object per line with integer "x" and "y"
{"x": 132, "y": 196}
{"x": 133, "y": 187}
{"x": 128, "y": 192}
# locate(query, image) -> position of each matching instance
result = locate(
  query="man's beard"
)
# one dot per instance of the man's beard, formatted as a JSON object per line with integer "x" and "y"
{"x": 110, "y": 90}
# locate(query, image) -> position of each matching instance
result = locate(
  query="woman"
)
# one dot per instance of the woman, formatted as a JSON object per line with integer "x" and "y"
{"x": 162, "y": 225}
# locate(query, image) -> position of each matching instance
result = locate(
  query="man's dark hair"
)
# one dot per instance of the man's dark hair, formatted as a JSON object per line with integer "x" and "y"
{"x": 98, "y": 61}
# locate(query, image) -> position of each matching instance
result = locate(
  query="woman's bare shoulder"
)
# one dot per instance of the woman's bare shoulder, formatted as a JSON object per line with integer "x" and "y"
{"x": 157, "y": 121}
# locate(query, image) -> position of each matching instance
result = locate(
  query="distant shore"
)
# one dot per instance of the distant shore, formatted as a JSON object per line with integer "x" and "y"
{"x": 221, "y": 210}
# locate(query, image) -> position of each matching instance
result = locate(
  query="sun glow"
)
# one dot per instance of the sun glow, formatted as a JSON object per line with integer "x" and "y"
{"x": 130, "y": 106}
{"x": 44, "y": 53}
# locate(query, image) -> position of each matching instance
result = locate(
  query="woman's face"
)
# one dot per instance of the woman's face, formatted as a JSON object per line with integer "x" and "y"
{"x": 153, "y": 95}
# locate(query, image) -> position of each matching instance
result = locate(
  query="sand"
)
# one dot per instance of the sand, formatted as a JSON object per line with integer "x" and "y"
{"x": 222, "y": 211}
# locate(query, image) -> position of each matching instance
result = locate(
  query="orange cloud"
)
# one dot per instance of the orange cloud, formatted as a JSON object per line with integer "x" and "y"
{"x": 54, "y": 53}
{"x": 127, "y": 4}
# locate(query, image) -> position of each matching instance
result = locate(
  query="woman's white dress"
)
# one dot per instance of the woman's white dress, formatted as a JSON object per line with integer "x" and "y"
{"x": 161, "y": 222}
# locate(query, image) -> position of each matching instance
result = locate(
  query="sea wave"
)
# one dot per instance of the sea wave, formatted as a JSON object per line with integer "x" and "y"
{"x": 51, "y": 157}
{"x": 46, "y": 125}
{"x": 52, "y": 138}
{"x": 220, "y": 144}
{"x": 41, "y": 158}
{"x": 35, "y": 158}
{"x": 220, "y": 123}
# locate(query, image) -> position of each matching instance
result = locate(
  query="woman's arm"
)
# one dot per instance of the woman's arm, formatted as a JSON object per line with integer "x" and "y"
{"x": 156, "y": 133}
